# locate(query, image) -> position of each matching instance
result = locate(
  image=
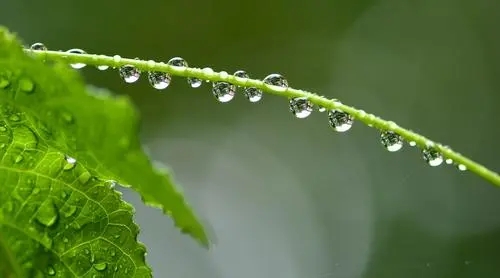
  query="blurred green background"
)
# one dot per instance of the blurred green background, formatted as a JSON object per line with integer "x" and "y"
{"x": 290, "y": 198}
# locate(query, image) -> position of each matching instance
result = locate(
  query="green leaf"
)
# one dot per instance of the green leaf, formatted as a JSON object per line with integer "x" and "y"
{"x": 59, "y": 215}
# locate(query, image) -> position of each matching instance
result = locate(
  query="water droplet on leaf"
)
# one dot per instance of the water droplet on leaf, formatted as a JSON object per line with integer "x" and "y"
{"x": 129, "y": 74}
{"x": 392, "y": 142}
{"x": 301, "y": 107}
{"x": 339, "y": 120}
{"x": 432, "y": 157}
{"x": 277, "y": 81}
{"x": 84, "y": 177}
{"x": 18, "y": 159}
{"x": 223, "y": 91}
{"x": 47, "y": 214}
{"x": 77, "y": 51}
{"x": 70, "y": 162}
{"x": 159, "y": 80}
{"x": 38, "y": 46}
{"x": 100, "y": 266}
{"x": 51, "y": 271}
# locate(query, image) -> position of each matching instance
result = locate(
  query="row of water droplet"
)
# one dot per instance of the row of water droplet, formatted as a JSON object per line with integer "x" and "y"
{"x": 301, "y": 107}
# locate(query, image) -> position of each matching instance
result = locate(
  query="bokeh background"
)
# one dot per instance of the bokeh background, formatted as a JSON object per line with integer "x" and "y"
{"x": 283, "y": 197}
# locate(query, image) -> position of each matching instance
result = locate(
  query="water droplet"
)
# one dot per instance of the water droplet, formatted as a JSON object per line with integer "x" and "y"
{"x": 208, "y": 72}
{"x": 277, "y": 81}
{"x": 129, "y": 74}
{"x": 70, "y": 162}
{"x": 116, "y": 236}
{"x": 392, "y": 141}
{"x": 253, "y": 94}
{"x": 112, "y": 253}
{"x": 159, "y": 80}
{"x": 26, "y": 85}
{"x": 65, "y": 240}
{"x": 321, "y": 109}
{"x": 86, "y": 251}
{"x": 4, "y": 83}
{"x": 178, "y": 62}
{"x": 432, "y": 157}
{"x": 18, "y": 159}
{"x": 38, "y": 46}
{"x": 194, "y": 82}
{"x": 449, "y": 161}
{"x": 412, "y": 143}
{"x": 301, "y": 107}
{"x": 223, "y": 91}
{"x": 100, "y": 266}
{"x": 462, "y": 167}
{"x": 77, "y": 51}
{"x": 241, "y": 75}
{"x": 51, "y": 271}
{"x": 47, "y": 214}
{"x": 2, "y": 146}
{"x": 339, "y": 120}
{"x": 103, "y": 67}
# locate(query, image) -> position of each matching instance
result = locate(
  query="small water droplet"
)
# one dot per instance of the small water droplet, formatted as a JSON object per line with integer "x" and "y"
{"x": 241, "y": 75}
{"x": 277, "y": 81}
{"x": 112, "y": 253}
{"x": 223, "y": 91}
{"x": 51, "y": 271}
{"x": 100, "y": 266}
{"x": 449, "y": 161}
{"x": 18, "y": 159}
{"x": 159, "y": 80}
{"x": 301, "y": 107}
{"x": 194, "y": 82}
{"x": 462, "y": 167}
{"x": 70, "y": 162}
{"x": 47, "y": 214}
{"x": 253, "y": 94}
{"x": 321, "y": 109}
{"x": 412, "y": 143}
{"x": 65, "y": 240}
{"x": 116, "y": 236}
{"x": 432, "y": 157}
{"x": 2, "y": 146}
{"x": 84, "y": 177}
{"x": 392, "y": 141}
{"x": 129, "y": 73}
{"x": 77, "y": 51}
{"x": 103, "y": 67}
{"x": 38, "y": 46}
{"x": 26, "y": 85}
{"x": 339, "y": 120}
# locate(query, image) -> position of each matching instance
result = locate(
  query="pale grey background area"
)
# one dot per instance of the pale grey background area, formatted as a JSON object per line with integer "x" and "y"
{"x": 284, "y": 197}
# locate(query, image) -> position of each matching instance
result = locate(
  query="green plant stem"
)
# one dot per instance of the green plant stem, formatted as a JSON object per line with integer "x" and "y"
{"x": 208, "y": 75}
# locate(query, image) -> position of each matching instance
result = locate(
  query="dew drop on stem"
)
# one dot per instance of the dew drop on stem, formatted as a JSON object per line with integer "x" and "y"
{"x": 340, "y": 121}
{"x": 300, "y": 107}
{"x": 159, "y": 80}
{"x": 252, "y": 94}
{"x": 432, "y": 157}
{"x": 223, "y": 91}
{"x": 276, "y": 81}
{"x": 77, "y": 51}
{"x": 38, "y": 46}
{"x": 392, "y": 141}
{"x": 129, "y": 73}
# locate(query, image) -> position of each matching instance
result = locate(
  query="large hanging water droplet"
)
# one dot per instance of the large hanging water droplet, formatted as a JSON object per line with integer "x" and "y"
{"x": 38, "y": 46}
{"x": 432, "y": 157}
{"x": 392, "y": 141}
{"x": 77, "y": 51}
{"x": 129, "y": 73}
{"x": 223, "y": 91}
{"x": 47, "y": 214}
{"x": 301, "y": 107}
{"x": 339, "y": 120}
{"x": 276, "y": 82}
{"x": 159, "y": 80}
